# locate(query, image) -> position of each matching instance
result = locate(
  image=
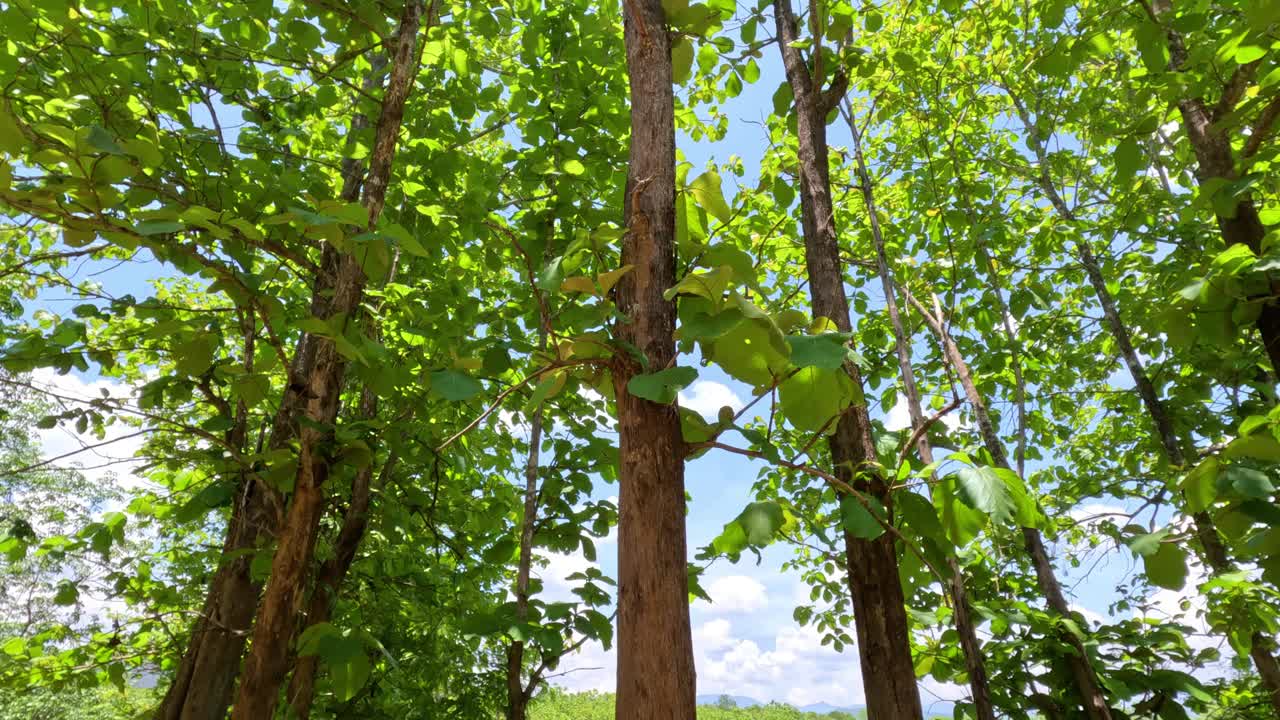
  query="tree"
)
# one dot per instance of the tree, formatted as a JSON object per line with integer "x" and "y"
{"x": 655, "y": 647}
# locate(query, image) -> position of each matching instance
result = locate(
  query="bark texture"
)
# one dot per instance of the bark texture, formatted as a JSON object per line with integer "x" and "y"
{"x": 1088, "y": 687}
{"x": 655, "y": 650}
{"x": 203, "y": 685}
{"x": 880, "y": 617}
{"x": 332, "y": 573}
{"x": 268, "y": 661}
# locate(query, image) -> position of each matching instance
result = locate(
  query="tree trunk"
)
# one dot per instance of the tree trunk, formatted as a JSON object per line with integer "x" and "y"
{"x": 204, "y": 684}
{"x": 655, "y": 648}
{"x": 975, "y": 663}
{"x": 333, "y": 572}
{"x": 268, "y": 660}
{"x": 517, "y": 694}
{"x": 206, "y": 676}
{"x": 880, "y": 616}
{"x": 1086, "y": 680}
{"x": 1215, "y": 160}
{"x": 205, "y": 680}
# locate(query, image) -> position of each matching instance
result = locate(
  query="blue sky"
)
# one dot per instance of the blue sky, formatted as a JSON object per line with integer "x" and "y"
{"x": 745, "y": 640}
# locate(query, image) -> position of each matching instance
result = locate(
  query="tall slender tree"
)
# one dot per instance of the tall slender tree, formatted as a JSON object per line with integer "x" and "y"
{"x": 1091, "y": 695}
{"x": 655, "y": 647}
{"x": 966, "y": 628}
{"x": 880, "y": 617}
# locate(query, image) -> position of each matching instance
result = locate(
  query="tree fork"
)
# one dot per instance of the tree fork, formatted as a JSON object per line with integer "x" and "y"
{"x": 267, "y": 664}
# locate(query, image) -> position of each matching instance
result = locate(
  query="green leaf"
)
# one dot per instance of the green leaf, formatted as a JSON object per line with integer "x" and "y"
{"x": 1249, "y": 482}
{"x": 813, "y": 398}
{"x": 67, "y": 593}
{"x": 1259, "y": 447}
{"x": 995, "y": 491}
{"x": 826, "y": 351}
{"x": 158, "y": 227}
{"x": 710, "y": 284}
{"x": 102, "y": 141}
{"x": 1199, "y": 487}
{"x": 1147, "y": 543}
{"x": 1262, "y": 511}
{"x": 1246, "y": 54}
{"x": 455, "y": 386}
{"x": 663, "y": 386}
{"x": 1129, "y": 156}
{"x": 919, "y": 514}
{"x": 574, "y": 167}
{"x": 707, "y": 193}
{"x": 1167, "y": 567}
{"x": 753, "y": 350}
{"x": 681, "y": 61}
{"x": 861, "y": 522}
{"x": 761, "y": 522}
{"x": 552, "y": 276}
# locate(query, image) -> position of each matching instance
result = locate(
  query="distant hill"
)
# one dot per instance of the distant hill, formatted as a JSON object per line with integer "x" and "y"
{"x": 824, "y": 708}
{"x": 739, "y": 700}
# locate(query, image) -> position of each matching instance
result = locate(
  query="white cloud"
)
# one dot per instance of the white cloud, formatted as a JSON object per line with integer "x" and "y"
{"x": 706, "y": 397}
{"x": 899, "y": 417}
{"x": 110, "y": 459}
{"x": 735, "y": 593}
{"x": 713, "y": 635}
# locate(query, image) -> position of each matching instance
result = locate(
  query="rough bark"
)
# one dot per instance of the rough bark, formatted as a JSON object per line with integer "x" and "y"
{"x": 1216, "y": 161}
{"x": 206, "y": 675}
{"x": 333, "y": 572}
{"x": 655, "y": 648}
{"x": 204, "y": 684}
{"x": 1085, "y": 678}
{"x": 975, "y": 663}
{"x": 268, "y": 660}
{"x": 880, "y": 619}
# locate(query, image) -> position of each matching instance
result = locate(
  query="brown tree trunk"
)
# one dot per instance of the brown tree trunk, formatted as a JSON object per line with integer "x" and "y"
{"x": 1215, "y": 161}
{"x": 333, "y": 572}
{"x": 880, "y": 616}
{"x": 268, "y": 660}
{"x": 975, "y": 663}
{"x": 655, "y": 648}
{"x": 204, "y": 684}
{"x": 1086, "y": 680}
{"x": 206, "y": 675}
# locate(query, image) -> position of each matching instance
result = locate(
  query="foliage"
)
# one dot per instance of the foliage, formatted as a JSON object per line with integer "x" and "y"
{"x": 557, "y": 705}
{"x": 1071, "y": 203}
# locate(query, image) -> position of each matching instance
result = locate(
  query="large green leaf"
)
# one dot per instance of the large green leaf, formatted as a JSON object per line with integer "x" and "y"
{"x": 863, "y": 518}
{"x": 813, "y": 398}
{"x": 663, "y": 386}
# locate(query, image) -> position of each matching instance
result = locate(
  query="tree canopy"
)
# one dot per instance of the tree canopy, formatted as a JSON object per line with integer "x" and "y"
{"x": 326, "y": 328}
